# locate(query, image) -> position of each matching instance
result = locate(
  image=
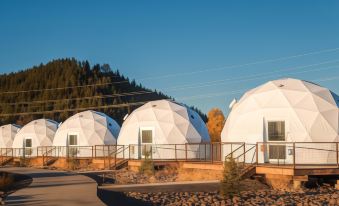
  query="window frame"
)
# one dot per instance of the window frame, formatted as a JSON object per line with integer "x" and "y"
{"x": 69, "y": 140}
{"x": 31, "y": 142}
{"x": 284, "y": 132}
{"x": 147, "y": 129}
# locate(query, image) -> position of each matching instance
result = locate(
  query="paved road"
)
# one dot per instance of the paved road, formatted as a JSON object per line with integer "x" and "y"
{"x": 52, "y": 188}
{"x": 193, "y": 186}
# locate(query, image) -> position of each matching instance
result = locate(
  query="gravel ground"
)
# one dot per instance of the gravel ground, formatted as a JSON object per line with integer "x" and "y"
{"x": 321, "y": 196}
{"x": 129, "y": 177}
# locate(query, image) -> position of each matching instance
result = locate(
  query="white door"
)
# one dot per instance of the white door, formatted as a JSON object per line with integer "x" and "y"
{"x": 146, "y": 141}
{"x": 28, "y": 146}
{"x": 72, "y": 143}
{"x": 276, "y": 146}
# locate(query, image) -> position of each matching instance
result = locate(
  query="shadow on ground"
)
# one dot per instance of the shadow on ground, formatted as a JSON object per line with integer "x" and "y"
{"x": 112, "y": 198}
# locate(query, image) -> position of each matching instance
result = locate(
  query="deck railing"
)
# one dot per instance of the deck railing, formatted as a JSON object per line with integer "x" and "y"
{"x": 294, "y": 154}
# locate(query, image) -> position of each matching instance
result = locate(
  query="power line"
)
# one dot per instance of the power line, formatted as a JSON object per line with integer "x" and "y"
{"x": 210, "y": 95}
{"x": 63, "y": 88}
{"x": 179, "y": 74}
{"x": 242, "y": 65}
{"x": 221, "y": 82}
{"x": 81, "y": 98}
{"x": 210, "y": 83}
{"x": 260, "y": 77}
{"x": 217, "y": 94}
{"x": 77, "y": 109}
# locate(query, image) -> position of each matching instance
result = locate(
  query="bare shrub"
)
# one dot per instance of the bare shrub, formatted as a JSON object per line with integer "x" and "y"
{"x": 147, "y": 165}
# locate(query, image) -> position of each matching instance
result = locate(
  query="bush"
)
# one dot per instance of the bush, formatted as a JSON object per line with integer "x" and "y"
{"x": 73, "y": 163}
{"x": 231, "y": 178}
{"x": 147, "y": 166}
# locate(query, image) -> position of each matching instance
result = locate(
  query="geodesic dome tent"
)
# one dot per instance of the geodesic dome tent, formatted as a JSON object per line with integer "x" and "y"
{"x": 283, "y": 111}
{"x": 36, "y": 133}
{"x": 158, "y": 125}
{"x": 86, "y": 129}
{"x": 7, "y": 134}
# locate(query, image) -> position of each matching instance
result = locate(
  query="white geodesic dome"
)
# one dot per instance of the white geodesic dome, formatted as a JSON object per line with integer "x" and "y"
{"x": 170, "y": 123}
{"x": 7, "y": 134}
{"x": 309, "y": 112}
{"x": 40, "y": 131}
{"x": 93, "y": 128}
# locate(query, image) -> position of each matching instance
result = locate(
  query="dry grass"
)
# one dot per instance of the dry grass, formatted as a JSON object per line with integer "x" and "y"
{"x": 198, "y": 174}
{"x": 279, "y": 184}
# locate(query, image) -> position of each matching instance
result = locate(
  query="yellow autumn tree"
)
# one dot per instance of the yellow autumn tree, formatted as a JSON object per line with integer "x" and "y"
{"x": 215, "y": 124}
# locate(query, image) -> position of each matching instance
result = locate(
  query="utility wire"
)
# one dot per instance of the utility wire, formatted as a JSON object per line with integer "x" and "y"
{"x": 180, "y": 74}
{"x": 255, "y": 77}
{"x": 190, "y": 86}
{"x": 210, "y": 95}
{"x": 227, "y": 93}
{"x": 77, "y": 109}
{"x": 81, "y": 98}
{"x": 242, "y": 65}
{"x": 259, "y": 77}
{"x": 210, "y": 83}
{"x": 63, "y": 88}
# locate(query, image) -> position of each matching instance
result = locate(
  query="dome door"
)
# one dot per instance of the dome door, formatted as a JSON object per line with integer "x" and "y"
{"x": 276, "y": 137}
{"x": 72, "y": 145}
{"x": 146, "y": 141}
{"x": 27, "y": 147}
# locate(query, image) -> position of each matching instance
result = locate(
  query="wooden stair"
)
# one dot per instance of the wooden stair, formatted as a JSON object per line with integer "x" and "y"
{"x": 49, "y": 161}
{"x": 6, "y": 160}
{"x": 120, "y": 164}
{"x": 248, "y": 171}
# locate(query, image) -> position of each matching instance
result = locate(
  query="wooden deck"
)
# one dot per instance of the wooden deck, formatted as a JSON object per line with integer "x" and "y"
{"x": 298, "y": 170}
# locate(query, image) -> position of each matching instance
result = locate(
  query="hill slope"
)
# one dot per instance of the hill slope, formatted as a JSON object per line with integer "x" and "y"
{"x": 63, "y": 73}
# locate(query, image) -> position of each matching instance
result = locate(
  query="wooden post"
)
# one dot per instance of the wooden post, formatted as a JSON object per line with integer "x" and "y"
{"x": 92, "y": 152}
{"x": 151, "y": 153}
{"x": 293, "y": 155}
{"x": 129, "y": 152}
{"x": 256, "y": 153}
{"x": 205, "y": 151}
{"x": 109, "y": 157}
{"x": 115, "y": 158}
{"x": 220, "y": 151}
{"x": 336, "y": 145}
{"x": 175, "y": 152}
{"x": 231, "y": 150}
{"x": 123, "y": 151}
{"x": 186, "y": 151}
{"x": 244, "y": 153}
{"x": 212, "y": 151}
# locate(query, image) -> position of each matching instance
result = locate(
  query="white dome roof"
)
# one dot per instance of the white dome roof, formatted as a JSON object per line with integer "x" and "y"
{"x": 93, "y": 128}
{"x": 310, "y": 112}
{"x": 41, "y": 132}
{"x": 7, "y": 134}
{"x": 173, "y": 123}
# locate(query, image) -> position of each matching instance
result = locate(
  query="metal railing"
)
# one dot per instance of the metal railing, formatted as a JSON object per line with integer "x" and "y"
{"x": 293, "y": 154}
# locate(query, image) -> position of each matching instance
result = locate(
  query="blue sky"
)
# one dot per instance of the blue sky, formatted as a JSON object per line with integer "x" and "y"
{"x": 162, "y": 44}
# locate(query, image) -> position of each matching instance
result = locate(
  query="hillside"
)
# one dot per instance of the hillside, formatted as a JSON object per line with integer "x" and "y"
{"x": 92, "y": 83}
